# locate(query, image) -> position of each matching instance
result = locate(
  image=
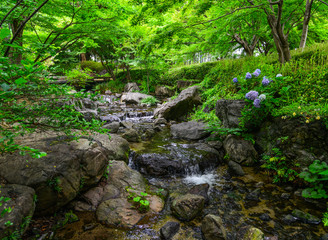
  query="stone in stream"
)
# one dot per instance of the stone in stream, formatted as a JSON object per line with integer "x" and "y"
{"x": 131, "y": 135}
{"x": 190, "y": 130}
{"x": 201, "y": 190}
{"x": 133, "y": 97}
{"x": 160, "y": 121}
{"x": 188, "y": 206}
{"x": 21, "y": 201}
{"x": 306, "y": 217}
{"x": 239, "y": 150}
{"x": 250, "y": 233}
{"x": 168, "y": 231}
{"x": 113, "y": 127}
{"x": 131, "y": 87}
{"x": 177, "y": 108}
{"x": 212, "y": 228}
{"x": 235, "y": 168}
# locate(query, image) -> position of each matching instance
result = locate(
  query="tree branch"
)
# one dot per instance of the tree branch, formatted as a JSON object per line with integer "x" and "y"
{"x": 10, "y": 11}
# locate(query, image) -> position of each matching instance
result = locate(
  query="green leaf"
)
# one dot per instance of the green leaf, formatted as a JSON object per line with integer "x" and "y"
{"x": 20, "y": 81}
{"x": 4, "y": 33}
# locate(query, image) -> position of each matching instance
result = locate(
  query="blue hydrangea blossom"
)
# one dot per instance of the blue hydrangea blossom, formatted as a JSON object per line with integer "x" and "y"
{"x": 279, "y": 75}
{"x": 257, "y": 72}
{"x": 265, "y": 81}
{"x": 248, "y": 76}
{"x": 262, "y": 97}
{"x": 235, "y": 80}
{"x": 257, "y": 103}
{"x": 252, "y": 95}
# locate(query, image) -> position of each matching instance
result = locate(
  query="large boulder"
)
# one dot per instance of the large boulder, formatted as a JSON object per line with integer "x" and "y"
{"x": 113, "y": 127}
{"x": 239, "y": 150}
{"x": 168, "y": 231}
{"x": 133, "y": 97}
{"x": 177, "y": 108}
{"x": 164, "y": 91}
{"x": 131, "y": 135}
{"x": 22, "y": 203}
{"x": 58, "y": 177}
{"x": 190, "y": 130}
{"x": 229, "y": 112}
{"x": 187, "y": 207}
{"x": 131, "y": 87}
{"x": 250, "y": 233}
{"x": 213, "y": 229}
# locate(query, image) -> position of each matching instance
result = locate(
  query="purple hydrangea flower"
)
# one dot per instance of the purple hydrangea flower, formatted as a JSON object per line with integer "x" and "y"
{"x": 248, "y": 76}
{"x": 279, "y": 75}
{"x": 235, "y": 80}
{"x": 252, "y": 95}
{"x": 265, "y": 81}
{"x": 257, "y": 72}
{"x": 257, "y": 103}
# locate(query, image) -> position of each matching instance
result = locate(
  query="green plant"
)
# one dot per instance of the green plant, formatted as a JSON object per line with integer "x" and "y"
{"x": 114, "y": 86}
{"x": 106, "y": 172}
{"x": 282, "y": 169}
{"x": 317, "y": 176}
{"x": 95, "y": 67}
{"x": 54, "y": 183}
{"x": 149, "y": 100}
{"x": 138, "y": 200}
{"x": 79, "y": 77}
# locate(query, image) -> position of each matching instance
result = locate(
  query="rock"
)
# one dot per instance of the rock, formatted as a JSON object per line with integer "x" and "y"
{"x": 160, "y": 121}
{"x": 133, "y": 97}
{"x": 250, "y": 233}
{"x": 306, "y": 217}
{"x": 187, "y": 207}
{"x": 235, "y": 168}
{"x": 126, "y": 124}
{"x": 240, "y": 150}
{"x": 285, "y": 196}
{"x": 169, "y": 230}
{"x": 213, "y": 229}
{"x": 190, "y": 130}
{"x": 216, "y": 144}
{"x": 89, "y": 114}
{"x": 108, "y": 92}
{"x": 89, "y": 226}
{"x": 254, "y": 195}
{"x": 89, "y": 104}
{"x": 265, "y": 217}
{"x": 118, "y": 95}
{"x": 131, "y": 87}
{"x": 118, "y": 213}
{"x": 324, "y": 237}
{"x": 21, "y": 201}
{"x": 229, "y": 112}
{"x": 57, "y": 177}
{"x": 131, "y": 135}
{"x": 177, "y": 108}
{"x": 164, "y": 91}
{"x": 113, "y": 127}
{"x": 201, "y": 190}
{"x": 184, "y": 84}
{"x": 288, "y": 219}
{"x": 117, "y": 148}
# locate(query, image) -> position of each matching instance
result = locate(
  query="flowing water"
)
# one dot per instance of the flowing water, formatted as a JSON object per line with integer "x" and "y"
{"x": 239, "y": 201}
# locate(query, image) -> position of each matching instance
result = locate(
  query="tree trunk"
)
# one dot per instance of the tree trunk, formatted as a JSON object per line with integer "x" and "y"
{"x": 307, "y": 16}
{"x": 128, "y": 75}
{"x": 15, "y": 54}
{"x": 248, "y": 48}
{"x": 83, "y": 57}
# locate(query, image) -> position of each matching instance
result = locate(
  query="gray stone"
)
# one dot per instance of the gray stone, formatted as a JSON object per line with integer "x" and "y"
{"x": 113, "y": 127}
{"x": 265, "y": 217}
{"x": 254, "y": 195}
{"x": 131, "y": 87}
{"x": 306, "y": 217}
{"x": 126, "y": 124}
{"x": 187, "y": 207}
{"x": 288, "y": 219}
{"x": 240, "y": 150}
{"x": 229, "y": 112}
{"x": 133, "y": 97}
{"x": 169, "y": 230}
{"x": 160, "y": 121}
{"x": 164, "y": 91}
{"x": 201, "y": 190}
{"x": 235, "y": 168}
{"x": 131, "y": 135}
{"x": 190, "y": 130}
{"x": 21, "y": 201}
{"x": 213, "y": 229}
{"x": 285, "y": 196}
{"x": 177, "y": 108}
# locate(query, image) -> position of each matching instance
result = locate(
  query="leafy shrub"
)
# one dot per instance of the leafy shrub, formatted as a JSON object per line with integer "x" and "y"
{"x": 138, "y": 200}
{"x": 114, "y": 86}
{"x": 95, "y": 67}
{"x": 149, "y": 100}
{"x": 78, "y": 78}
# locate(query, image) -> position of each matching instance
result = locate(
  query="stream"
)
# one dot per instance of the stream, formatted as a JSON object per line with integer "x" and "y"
{"x": 239, "y": 201}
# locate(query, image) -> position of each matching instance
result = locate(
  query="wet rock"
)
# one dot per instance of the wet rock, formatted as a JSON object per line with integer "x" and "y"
{"x": 240, "y": 150}
{"x": 89, "y": 114}
{"x": 133, "y": 97}
{"x": 213, "y": 229}
{"x": 164, "y": 91}
{"x": 285, "y": 196}
{"x": 177, "y": 108}
{"x": 21, "y": 201}
{"x": 126, "y": 124}
{"x": 113, "y": 127}
{"x": 306, "y": 217}
{"x": 187, "y": 207}
{"x": 324, "y": 237}
{"x": 265, "y": 217}
{"x": 250, "y": 233}
{"x": 190, "y": 130}
{"x": 288, "y": 219}
{"x": 131, "y": 87}
{"x": 254, "y": 195}
{"x": 168, "y": 231}
{"x": 235, "y": 168}
{"x": 229, "y": 112}
{"x": 56, "y": 178}
{"x": 160, "y": 121}
{"x": 131, "y": 135}
{"x": 216, "y": 144}
{"x": 201, "y": 190}
{"x": 89, "y": 226}
{"x": 108, "y": 92}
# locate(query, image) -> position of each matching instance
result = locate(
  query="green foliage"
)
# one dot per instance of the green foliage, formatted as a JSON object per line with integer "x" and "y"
{"x": 150, "y": 100}
{"x": 54, "y": 183}
{"x": 138, "y": 200}
{"x": 114, "y": 86}
{"x": 5, "y": 210}
{"x": 278, "y": 166}
{"x": 95, "y": 67}
{"x": 317, "y": 176}
{"x": 78, "y": 77}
